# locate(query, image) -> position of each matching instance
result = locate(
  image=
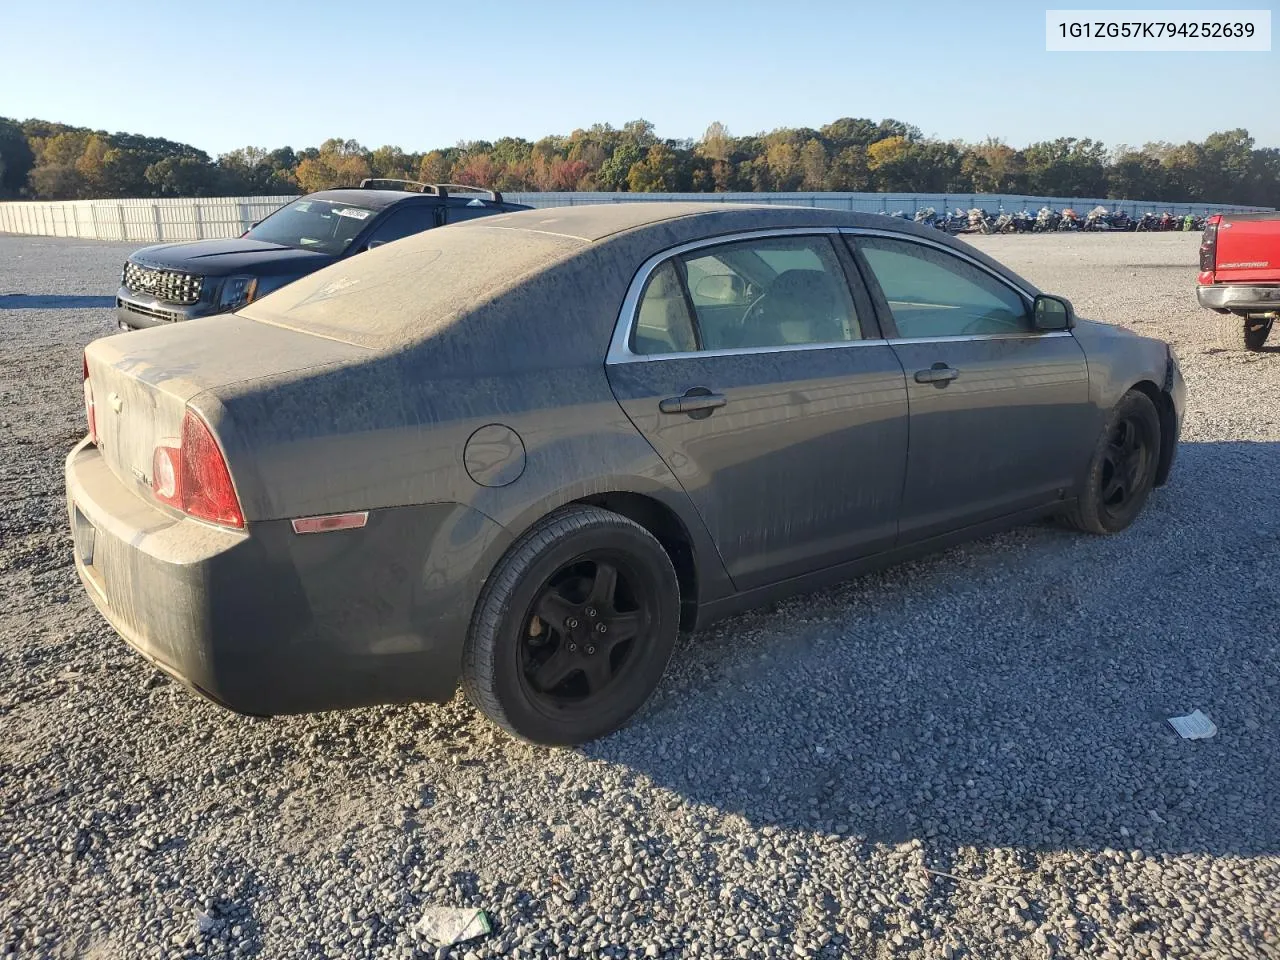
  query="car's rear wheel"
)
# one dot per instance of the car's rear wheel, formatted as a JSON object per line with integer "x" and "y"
{"x": 1123, "y": 468}
{"x": 1236, "y": 332}
{"x": 573, "y": 629}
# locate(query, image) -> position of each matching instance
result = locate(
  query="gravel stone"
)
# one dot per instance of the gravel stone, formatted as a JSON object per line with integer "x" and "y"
{"x": 996, "y": 712}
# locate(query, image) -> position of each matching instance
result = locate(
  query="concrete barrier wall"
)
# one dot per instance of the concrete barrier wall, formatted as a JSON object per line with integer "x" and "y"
{"x": 166, "y": 221}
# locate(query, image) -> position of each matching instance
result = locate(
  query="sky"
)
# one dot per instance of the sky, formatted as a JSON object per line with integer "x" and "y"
{"x": 421, "y": 75}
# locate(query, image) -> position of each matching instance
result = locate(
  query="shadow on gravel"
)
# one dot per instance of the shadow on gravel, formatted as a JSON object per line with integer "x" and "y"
{"x": 32, "y": 301}
{"x": 1013, "y": 693}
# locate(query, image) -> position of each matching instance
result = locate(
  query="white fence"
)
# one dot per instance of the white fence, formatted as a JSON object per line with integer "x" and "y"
{"x": 145, "y": 221}
{"x": 162, "y": 221}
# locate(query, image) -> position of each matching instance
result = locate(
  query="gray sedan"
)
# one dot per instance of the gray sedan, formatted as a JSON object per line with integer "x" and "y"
{"x": 525, "y": 452}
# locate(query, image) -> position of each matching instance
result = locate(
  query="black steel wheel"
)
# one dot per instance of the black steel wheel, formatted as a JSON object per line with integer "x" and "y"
{"x": 583, "y": 628}
{"x": 574, "y": 628}
{"x": 1123, "y": 468}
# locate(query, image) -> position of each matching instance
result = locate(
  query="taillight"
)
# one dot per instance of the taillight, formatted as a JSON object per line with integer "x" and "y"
{"x": 89, "y": 411}
{"x": 192, "y": 475}
{"x": 205, "y": 482}
{"x": 1209, "y": 244}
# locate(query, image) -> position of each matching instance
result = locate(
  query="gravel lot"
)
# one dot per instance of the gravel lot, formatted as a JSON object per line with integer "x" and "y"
{"x": 996, "y": 713}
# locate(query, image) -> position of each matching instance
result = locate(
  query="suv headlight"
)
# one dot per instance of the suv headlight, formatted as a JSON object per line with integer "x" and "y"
{"x": 237, "y": 291}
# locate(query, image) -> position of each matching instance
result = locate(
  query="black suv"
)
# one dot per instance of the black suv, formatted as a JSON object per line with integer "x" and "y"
{"x": 181, "y": 281}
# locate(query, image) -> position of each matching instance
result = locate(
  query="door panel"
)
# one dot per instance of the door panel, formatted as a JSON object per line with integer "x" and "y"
{"x": 1000, "y": 412}
{"x": 1006, "y": 434}
{"x": 800, "y": 468}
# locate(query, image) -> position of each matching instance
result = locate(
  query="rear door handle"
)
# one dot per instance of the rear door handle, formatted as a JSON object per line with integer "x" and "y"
{"x": 939, "y": 373}
{"x": 695, "y": 401}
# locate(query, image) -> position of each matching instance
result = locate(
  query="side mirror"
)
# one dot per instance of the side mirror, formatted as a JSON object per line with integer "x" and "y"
{"x": 375, "y": 243}
{"x": 1053, "y": 313}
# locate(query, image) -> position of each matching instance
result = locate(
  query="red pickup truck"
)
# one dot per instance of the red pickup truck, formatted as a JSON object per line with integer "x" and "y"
{"x": 1240, "y": 275}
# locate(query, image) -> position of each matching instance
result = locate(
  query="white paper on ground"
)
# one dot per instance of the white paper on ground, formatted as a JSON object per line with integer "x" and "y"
{"x": 445, "y": 926}
{"x": 1194, "y": 726}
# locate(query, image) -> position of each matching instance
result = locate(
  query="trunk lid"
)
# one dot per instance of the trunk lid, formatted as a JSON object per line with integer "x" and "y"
{"x": 143, "y": 380}
{"x": 1247, "y": 249}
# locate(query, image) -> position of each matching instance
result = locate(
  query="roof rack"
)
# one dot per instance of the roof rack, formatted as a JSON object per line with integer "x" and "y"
{"x": 377, "y": 183}
{"x": 440, "y": 189}
{"x": 444, "y": 189}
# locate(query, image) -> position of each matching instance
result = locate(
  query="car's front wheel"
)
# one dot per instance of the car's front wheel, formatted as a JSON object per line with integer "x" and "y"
{"x": 1123, "y": 468}
{"x": 573, "y": 629}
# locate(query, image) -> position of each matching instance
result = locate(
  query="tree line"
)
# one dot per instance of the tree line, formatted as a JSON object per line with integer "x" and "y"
{"x": 40, "y": 160}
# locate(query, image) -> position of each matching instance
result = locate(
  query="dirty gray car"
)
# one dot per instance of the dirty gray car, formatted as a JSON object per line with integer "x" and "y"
{"x": 526, "y": 451}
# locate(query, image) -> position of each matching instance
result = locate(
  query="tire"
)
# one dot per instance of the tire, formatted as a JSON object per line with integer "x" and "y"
{"x": 1236, "y": 332}
{"x": 538, "y": 617}
{"x": 1121, "y": 474}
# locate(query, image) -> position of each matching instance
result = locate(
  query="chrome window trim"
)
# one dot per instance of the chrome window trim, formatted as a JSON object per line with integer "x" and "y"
{"x": 619, "y": 345}
{"x": 1029, "y": 335}
{"x": 745, "y": 351}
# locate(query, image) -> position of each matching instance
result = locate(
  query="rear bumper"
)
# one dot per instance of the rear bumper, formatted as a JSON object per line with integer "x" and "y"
{"x": 264, "y": 621}
{"x": 1239, "y": 296}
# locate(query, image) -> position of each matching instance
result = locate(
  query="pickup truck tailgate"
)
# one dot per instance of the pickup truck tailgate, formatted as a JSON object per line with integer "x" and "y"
{"x": 1248, "y": 250}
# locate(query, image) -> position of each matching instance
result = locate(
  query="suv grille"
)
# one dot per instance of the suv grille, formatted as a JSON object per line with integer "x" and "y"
{"x": 163, "y": 284}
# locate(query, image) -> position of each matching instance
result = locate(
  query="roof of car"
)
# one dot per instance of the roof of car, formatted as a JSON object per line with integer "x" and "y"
{"x": 557, "y": 276}
{"x": 597, "y": 221}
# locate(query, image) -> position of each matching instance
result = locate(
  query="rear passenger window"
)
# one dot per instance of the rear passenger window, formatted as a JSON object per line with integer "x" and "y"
{"x": 404, "y": 222}
{"x": 663, "y": 323}
{"x": 771, "y": 292}
{"x": 471, "y": 210}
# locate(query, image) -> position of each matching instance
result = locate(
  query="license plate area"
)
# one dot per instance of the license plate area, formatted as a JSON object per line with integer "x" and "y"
{"x": 85, "y": 537}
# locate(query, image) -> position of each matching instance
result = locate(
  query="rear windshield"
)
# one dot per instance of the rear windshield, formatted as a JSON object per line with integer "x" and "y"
{"x": 323, "y": 225}
{"x": 406, "y": 291}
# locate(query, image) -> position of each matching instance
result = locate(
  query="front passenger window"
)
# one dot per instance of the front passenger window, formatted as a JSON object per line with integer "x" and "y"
{"x": 933, "y": 293}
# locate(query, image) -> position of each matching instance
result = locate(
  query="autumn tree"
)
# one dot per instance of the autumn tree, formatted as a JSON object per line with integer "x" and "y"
{"x": 392, "y": 163}
{"x": 338, "y": 163}
{"x": 849, "y": 170}
{"x": 716, "y": 143}
{"x": 992, "y": 166}
{"x": 49, "y": 160}
{"x": 656, "y": 173}
{"x": 435, "y": 167}
{"x": 1067, "y": 167}
{"x": 474, "y": 169}
{"x": 613, "y": 173}
{"x": 1133, "y": 173}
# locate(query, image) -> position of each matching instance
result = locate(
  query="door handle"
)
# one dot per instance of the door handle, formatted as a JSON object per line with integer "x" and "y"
{"x": 939, "y": 374}
{"x": 698, "y": 400}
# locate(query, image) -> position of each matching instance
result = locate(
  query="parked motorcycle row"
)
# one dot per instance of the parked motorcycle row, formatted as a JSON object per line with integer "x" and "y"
{"x": 1047, "y": 220}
